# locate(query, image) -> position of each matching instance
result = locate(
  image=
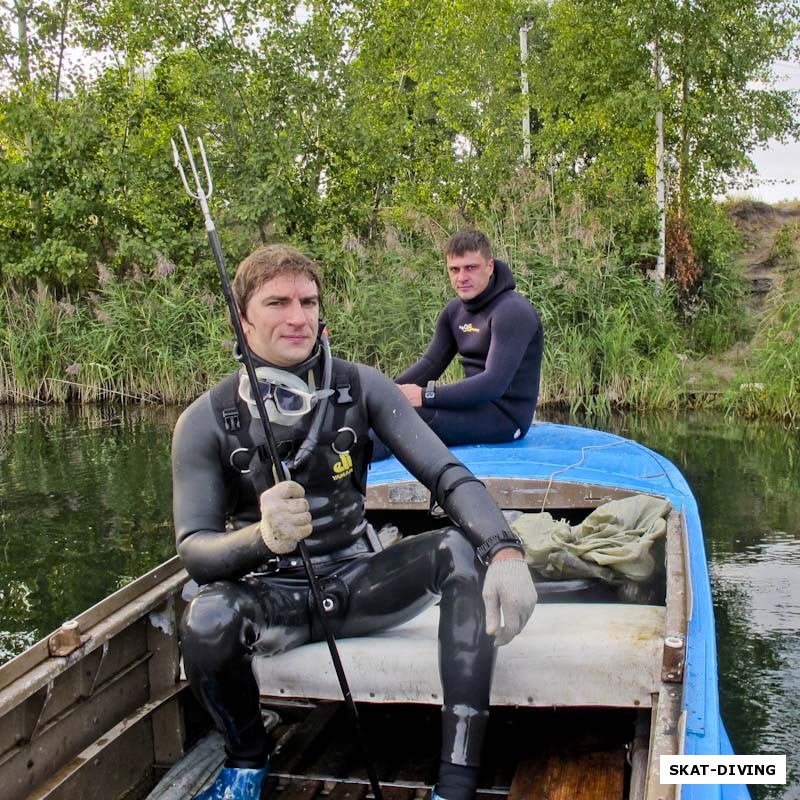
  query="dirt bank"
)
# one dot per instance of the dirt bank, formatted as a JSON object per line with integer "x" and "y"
{"x": 769, "y": 264}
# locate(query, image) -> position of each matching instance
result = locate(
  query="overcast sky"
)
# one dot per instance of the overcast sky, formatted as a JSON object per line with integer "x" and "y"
{"x": 779, "y": 164}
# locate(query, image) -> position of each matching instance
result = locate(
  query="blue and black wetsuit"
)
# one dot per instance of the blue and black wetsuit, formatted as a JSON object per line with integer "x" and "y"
{"x": 254, "y": 603}
{"x": 498, "y": 337}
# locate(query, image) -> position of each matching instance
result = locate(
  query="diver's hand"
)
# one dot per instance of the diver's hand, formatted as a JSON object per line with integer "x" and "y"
{"x": 285, "y": 518}
{"x": 509, "y": 588}
{"x": 412, "y": 392}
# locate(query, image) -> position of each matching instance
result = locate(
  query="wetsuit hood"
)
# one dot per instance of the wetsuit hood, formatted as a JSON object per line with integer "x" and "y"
{"x": 502, "y": 280}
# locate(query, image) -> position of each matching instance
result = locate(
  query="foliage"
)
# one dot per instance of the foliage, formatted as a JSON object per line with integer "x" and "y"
{"x": 315, "y": 120}
{"x": 716, "y": 311}
{"x": 366, "y": 132}
{"x": 785, "y": 244}
{"x": 325, "y": 120}
{"x": 611, "y": 340}
{"x": 602, "y": 72}
{"x": 146, "y": 341}
{"x": 681, "y": 260}
{"x": 593, "y": 86}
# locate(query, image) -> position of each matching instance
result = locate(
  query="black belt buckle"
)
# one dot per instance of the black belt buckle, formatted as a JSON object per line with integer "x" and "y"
{"x": 361, "y": 546}
{"x": 269, "y": 567}
{"x": 283, "y": 563}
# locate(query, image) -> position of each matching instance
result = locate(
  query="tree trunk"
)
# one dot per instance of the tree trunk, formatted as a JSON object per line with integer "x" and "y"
{"x": 526, "y": 111}
{"x": 61, "y": 47}
{"x": 661, "y": 194}
{"x": 21, "y": 10}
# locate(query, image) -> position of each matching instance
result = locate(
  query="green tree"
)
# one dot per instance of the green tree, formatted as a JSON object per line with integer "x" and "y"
{"x": 317, "y": 120}
{"x": 594, "y": 89}
{"x": 433, "y": 107}
{"x": 87, "y": 176}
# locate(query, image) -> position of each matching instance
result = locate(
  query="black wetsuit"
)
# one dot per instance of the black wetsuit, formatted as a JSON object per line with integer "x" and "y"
{"x": 498, "y": 336}
{"x": 251, "y": 602}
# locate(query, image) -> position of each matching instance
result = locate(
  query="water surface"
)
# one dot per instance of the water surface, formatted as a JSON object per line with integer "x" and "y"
{"x": 85, "y": 506}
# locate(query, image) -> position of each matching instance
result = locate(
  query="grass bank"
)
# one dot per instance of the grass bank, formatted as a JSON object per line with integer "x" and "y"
{"x": 612, "y": 339}
{"x": 138, "y": 341}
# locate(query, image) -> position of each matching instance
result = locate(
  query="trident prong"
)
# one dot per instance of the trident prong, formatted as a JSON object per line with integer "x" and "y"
{"x": 200, "y": 192}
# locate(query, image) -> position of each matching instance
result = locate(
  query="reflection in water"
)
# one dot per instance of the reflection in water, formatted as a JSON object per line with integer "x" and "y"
{"x": 762, "y": 589}
{"x": 85, "y": 505}
{"x": 771, "y": 576}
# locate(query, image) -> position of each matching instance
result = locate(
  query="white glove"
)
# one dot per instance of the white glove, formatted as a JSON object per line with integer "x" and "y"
{"x": 508, "y": 588}
{"x": 285, "y": 518}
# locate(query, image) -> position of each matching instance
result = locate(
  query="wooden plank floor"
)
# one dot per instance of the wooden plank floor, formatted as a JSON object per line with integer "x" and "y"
{"x": 530, "y": 754}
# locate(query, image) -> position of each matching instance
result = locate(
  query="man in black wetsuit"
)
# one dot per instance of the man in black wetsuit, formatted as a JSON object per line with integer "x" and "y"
{"x": 237, "y": 538}
{"x": 498, "y": 335}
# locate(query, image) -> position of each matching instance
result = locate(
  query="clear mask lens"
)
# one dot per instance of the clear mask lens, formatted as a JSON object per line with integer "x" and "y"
{"x": 287, "y": 397}
{"x": 289, "y": 401}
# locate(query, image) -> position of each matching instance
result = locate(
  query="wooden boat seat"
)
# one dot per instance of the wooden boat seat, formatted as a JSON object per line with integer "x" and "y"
{"x": 570, "y": 654}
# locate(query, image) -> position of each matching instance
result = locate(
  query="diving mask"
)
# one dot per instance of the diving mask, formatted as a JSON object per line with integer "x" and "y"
{"x": 286, "y": 397}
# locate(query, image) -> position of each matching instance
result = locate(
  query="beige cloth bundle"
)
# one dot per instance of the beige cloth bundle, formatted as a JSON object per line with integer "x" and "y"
{"x": 613, "y": 543}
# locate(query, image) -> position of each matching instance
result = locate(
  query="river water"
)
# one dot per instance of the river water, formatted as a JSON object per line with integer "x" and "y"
{"x": 85, "y": 505}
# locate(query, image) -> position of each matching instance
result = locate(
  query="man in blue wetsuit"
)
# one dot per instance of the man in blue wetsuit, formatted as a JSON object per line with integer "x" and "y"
{"x": 237, "y": 537}
{"x": 497, "y": 334}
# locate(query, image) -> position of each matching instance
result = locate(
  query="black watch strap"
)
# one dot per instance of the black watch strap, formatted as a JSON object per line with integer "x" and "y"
{"x": 499, "y": 541}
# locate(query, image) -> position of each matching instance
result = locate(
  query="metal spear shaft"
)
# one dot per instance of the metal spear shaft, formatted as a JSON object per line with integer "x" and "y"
{"x": 202, "y": 193}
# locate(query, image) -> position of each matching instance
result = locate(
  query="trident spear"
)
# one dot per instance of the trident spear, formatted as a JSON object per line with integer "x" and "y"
{"x": 202, "y": 194}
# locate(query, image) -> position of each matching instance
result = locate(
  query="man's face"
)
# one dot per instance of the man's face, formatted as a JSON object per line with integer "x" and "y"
{"x": 280, "y": 321}
{"x": 469, "y": 274}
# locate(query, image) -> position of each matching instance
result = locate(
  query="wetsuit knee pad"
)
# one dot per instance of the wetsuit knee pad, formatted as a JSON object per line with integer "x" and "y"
{"x": 214, "y": 619}
{"x": 459, "y": 564}
{"x": 458, "y": 544}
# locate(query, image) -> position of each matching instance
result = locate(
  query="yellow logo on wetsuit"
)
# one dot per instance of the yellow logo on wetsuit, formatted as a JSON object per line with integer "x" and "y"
{"x": 469, "y": 328}
{"x": 343, "y": 467}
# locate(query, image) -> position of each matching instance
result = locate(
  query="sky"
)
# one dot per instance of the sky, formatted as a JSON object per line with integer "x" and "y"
{"x": 778, "y": 164}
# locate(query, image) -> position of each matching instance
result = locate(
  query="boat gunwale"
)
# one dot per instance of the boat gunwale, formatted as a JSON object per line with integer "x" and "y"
{"x": 530, "y": 493}
{"x": 34, "y": 668}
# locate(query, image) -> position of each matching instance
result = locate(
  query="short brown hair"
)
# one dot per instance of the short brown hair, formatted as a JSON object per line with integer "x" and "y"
{"x": 468, "y": 240}
{"x": 269, "y": 262}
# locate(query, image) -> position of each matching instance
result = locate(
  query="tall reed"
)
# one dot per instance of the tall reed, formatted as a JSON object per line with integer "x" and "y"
{"x": 135, "y": 341}
{"x": 612, "y": 339}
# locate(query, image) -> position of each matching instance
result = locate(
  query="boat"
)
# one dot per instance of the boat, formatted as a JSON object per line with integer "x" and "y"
{"x": 584, "y": 702}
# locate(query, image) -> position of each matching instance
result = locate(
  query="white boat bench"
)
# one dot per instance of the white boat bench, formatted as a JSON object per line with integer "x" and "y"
{"x": 570, "y": 654}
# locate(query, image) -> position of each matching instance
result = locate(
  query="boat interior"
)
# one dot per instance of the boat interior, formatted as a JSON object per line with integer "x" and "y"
{"x": 584, "y": 701}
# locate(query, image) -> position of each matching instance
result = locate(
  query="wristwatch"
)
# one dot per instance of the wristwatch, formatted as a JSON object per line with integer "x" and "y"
{"x": 495, "y": 543}
{"x": 430, "y": 390}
